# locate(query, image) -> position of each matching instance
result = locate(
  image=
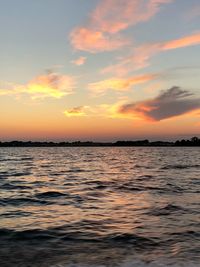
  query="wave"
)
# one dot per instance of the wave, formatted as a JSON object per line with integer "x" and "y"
{"x": 14, "y": 174}
{"x": 166, "y": 210}
{"x": 26, "y": 158}
{"x": 139, "y": 166}
{"x": 15, "y": 214}
{"x": 50, "y": 194}
{"x": 133, "y": 239}
{"x": 17, "y": 159}
{"x": 10, "y": 186}
{"x": 132, "y": 263}
{"x": 57, "y": 241}
{"x": 8, "y": 234}
{"x": 179, "y": 166}
{"x": 145, "y": 177}
{"x": 22, "y": 201}
{"x": 75, "y": 170}
{"x": 187, "y": 233}
{"x": 128, "y": 187}
{"x": 67, "y": 234}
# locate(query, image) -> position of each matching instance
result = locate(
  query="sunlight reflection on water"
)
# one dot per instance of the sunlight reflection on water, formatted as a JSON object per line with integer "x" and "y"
{"x": 99, "y": 205}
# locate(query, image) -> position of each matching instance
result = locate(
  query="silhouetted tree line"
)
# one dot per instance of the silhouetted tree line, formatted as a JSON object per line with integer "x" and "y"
{"x": 194, "y": 141}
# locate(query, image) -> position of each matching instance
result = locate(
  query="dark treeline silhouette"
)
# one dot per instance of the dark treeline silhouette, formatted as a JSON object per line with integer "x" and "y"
{"x": 194, "y": 141}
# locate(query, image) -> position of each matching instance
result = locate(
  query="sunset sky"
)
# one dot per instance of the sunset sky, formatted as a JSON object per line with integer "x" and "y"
{"x": 99, "y": 69}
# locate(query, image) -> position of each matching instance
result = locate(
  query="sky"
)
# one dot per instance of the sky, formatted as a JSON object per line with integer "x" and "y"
{"x": 100, "y": 70}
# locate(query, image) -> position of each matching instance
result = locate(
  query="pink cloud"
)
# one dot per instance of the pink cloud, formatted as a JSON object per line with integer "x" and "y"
{"x": 79, "y": 61}
{"x": 140, "y": 58}
{"x": 137, "y": 60}
{"x": 108, "y": 19}
{"x": 113, "y": 16}
{"x": 95, "y": 41}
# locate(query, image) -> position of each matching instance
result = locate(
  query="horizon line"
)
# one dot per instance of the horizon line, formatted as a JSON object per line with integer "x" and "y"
{"x": 193, "y": 141}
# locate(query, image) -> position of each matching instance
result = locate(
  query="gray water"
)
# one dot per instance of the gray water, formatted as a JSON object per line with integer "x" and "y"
{"x": 99, "y": 207}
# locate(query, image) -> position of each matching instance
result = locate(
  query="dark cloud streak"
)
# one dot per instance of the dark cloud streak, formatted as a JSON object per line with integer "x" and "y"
{"x": 170, "y": 103}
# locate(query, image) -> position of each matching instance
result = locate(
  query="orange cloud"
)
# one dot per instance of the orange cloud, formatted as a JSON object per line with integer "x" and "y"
{"x": 108, "y": 19}
{"x": 190, "y": 40}
{"x": 118, "y": 84}
{"x": 102, "y": 110}
{"x": 95, "y": 41}
{"x": 79, "y": 61}
{"x": 141, "y": 55}
{"x": 50, "y": 85}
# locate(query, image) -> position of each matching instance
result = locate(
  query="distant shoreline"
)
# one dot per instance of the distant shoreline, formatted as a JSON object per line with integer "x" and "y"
{"x": 194, "y": 141}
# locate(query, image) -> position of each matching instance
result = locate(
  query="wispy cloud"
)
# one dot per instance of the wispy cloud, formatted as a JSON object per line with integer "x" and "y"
{"x": 49, "y": 85}
{"x": 185, "y": 41}
{"x": 79, "y": 61}
{"x": 102, "y": 110}
{"x": 141, "y": 55}
{"x": 119, "y": 84}
{"x": 76, "y": 111}
{"x": 108, "y": 19}
{"x": 113, "y": 16}
{"x": 170, "y": 103}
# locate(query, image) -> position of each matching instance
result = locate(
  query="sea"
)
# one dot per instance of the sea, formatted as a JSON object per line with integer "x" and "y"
{"x": 100, "y": 206}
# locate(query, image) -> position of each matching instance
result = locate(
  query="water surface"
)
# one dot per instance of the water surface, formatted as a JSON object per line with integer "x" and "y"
{"x": 99, "y": 206}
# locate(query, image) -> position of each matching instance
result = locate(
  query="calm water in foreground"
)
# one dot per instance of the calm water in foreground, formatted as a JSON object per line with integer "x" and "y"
{"x": 99, "y": 207}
